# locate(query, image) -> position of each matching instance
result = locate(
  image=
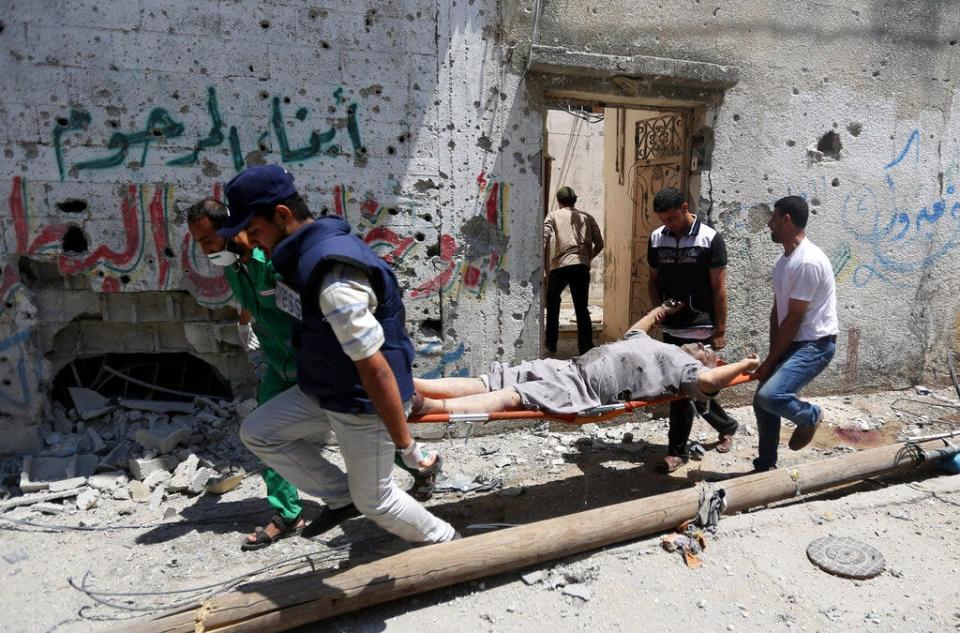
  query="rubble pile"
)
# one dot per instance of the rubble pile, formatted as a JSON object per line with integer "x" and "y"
{"x": 137, "y": 450}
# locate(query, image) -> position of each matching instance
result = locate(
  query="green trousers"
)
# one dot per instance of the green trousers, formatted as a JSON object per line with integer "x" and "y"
{"x": 281, "y": 494}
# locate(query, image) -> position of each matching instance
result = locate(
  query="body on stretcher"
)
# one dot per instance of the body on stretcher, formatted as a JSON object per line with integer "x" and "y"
{"x": 596, "y": 414}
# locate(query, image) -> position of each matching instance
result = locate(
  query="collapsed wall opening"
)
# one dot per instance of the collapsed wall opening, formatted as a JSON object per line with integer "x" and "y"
{"x": 173, "y": 376}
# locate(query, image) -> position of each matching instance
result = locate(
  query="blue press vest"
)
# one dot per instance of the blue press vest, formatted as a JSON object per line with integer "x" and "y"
{"x": 324, "y": 371}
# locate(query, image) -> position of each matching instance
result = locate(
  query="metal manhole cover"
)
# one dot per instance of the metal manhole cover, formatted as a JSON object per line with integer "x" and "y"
{"x": 846, "y": 557}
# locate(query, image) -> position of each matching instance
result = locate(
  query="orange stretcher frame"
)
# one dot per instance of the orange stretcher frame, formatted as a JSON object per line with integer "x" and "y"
{"x": 590, "y": 416}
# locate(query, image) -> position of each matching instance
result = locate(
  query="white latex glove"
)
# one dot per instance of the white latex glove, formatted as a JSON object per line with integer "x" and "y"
{"x": 248, "y": 339}
{"x": 414, "y": 454}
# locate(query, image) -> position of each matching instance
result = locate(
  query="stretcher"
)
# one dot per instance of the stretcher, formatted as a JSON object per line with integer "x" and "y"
{"x": 590, "y": 416}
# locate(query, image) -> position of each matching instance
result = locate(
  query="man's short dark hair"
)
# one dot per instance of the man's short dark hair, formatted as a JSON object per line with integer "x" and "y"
{"x": 794, "y": 206}
{"x": 566, "y": 196}
{"x": 667, "y": 199}
{"x": 210, "y": 208}
{"x": 295, "y": 203}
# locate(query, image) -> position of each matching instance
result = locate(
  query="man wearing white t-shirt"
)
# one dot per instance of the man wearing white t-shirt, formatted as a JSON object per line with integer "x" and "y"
{"x": 803, "y": 333}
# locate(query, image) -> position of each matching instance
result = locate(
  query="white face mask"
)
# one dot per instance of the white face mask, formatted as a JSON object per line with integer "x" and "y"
{"x": 223, "y": 258}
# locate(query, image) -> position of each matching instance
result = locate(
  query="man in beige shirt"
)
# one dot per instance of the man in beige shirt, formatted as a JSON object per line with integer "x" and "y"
{"x": 576, "y": 240}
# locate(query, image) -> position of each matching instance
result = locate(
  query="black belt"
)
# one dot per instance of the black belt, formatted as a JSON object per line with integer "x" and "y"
{"x": 830, "y": 338}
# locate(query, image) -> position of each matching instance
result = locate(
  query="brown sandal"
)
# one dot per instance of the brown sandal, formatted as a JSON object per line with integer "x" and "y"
{"x": 672, "y": 462}
{"x": 286, "y": 528}
{"x": 725, "y": 443}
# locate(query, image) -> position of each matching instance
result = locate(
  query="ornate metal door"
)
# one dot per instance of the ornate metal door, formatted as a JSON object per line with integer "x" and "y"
{"x": 662, "y": 156}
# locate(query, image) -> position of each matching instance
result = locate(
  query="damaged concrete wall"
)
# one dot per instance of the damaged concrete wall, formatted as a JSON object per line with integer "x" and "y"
{"x": 402, "y": 116}
{"x": 879, "y": 77}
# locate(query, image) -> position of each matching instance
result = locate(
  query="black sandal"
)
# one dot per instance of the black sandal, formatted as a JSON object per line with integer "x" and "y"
{"x": 262, "y": 539}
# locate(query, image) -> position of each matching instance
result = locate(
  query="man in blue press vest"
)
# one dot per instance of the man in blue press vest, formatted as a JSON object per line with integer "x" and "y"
{"x": 354, "y": 362}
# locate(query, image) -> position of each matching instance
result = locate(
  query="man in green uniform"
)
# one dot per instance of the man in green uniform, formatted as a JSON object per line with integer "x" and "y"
{"x": 266, "y": 340}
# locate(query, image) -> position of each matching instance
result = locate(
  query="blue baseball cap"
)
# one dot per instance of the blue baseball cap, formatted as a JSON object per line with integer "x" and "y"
{"x": 255, "y": 188}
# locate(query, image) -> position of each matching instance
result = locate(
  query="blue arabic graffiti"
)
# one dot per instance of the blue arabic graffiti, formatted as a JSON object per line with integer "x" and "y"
{"x": 904, "y": 238}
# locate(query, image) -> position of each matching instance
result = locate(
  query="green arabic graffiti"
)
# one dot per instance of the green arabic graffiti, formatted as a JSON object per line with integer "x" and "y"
{"x": 160, "y": 124}
{"x": 79, "y": 120}
{"x": 214, "y": 138}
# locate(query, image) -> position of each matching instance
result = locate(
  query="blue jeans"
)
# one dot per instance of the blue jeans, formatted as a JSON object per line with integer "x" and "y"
{"x": 777, "y": 397}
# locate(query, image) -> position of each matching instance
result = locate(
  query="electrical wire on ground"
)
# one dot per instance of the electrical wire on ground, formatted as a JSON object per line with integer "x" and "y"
{"x": 123, "y": 600}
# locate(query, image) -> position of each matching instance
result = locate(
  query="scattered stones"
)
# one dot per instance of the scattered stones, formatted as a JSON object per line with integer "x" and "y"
{"x": 156, "y": 478}
{"x": 156, "y": 498}
{"x": 90, "y": 404}
{"x": 158, "y": 406}
{"x": 117, "y": 457}
{"x": 578, "y": 590}
{"x": 138, "y": 491}
{"x": 183, "y": 475}
{"x": 107, "y": 481}
{"x": 88, "y": 499}
{"x": 61, "y": 423}
{"x": 532, "y": 578}
{"x": 163, "y": 438}
{"x": 200, "y": 479}
{"x": 67, "y": 484}
{"x": 97, "y": 445}
{"x": 37, "y": 473}
{"x": 142, "y": 467}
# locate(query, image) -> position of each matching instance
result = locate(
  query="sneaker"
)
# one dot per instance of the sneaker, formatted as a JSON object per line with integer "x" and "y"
{"x": 329, "y": 519}
{"x": 672, "y": 462}
{"x": 803, "y": 435}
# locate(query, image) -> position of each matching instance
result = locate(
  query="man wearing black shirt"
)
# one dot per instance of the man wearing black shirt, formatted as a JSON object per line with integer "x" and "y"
{"x": 688, "y": 262}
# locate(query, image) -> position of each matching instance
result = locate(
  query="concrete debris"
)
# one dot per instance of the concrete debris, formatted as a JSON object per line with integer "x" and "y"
{"x": 141, "y": 467}
{"x": 67, "y": 484}
{"x": 183, "y": 474}
{"x": 88, "y": 499}
{"x": 170, "y": 513}
{"x": 61, "y": 422}
{"x": 200, "y": 479}
{"x": 578, "y": 591}
{"x": 216, "y": 408}
{"x": 90, "y": 404}
{"x": 38, "y": 472}
{"x": 463, "y": 483}
{"x": 532, "y": 578}
{"x": 97, "y": 445}
{"x": 49, "y": 508}
{"x": 107, "y": 481}
{"x": 28, "y": 500}
{"x": 117, "y": 457}
{"x": 62, "y": 445}
{"x": 157, "y": 406}
{"x": 156, "y": 498}
{"x": 163, "y": 438}
{"x": 156, "y": 478}
{"x": 138, "y": 491}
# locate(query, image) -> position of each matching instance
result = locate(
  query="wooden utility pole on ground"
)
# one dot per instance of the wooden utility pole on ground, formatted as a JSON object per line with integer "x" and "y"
{"x": 285, "y": 603}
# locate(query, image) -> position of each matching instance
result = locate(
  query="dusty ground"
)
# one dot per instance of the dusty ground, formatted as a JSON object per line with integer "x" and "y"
{"x": 755, "y": 575}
